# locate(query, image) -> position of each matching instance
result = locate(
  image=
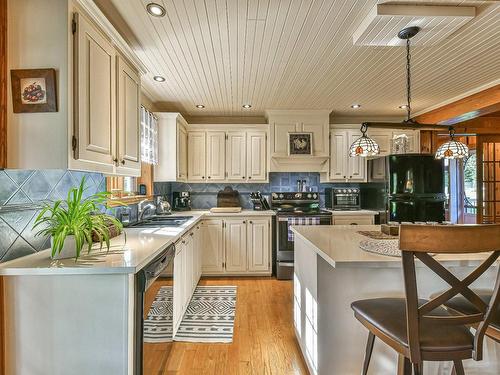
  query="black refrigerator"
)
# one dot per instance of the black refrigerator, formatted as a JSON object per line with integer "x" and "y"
{"x": 415, "y": 188}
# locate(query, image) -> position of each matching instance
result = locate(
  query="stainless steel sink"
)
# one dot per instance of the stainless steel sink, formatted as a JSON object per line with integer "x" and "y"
{"x": 161, "y": 221}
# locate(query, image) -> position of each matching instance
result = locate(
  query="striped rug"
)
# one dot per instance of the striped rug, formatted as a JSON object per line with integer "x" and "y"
{"x": 208, "y": 318}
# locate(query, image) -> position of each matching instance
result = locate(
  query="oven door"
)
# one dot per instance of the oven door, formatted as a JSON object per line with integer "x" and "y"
{"x": 345, "y": 201}
{"x": 285, "y": 247}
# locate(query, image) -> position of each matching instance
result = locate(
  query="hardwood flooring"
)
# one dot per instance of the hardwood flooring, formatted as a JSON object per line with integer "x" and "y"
{"x": 264, "y": 340}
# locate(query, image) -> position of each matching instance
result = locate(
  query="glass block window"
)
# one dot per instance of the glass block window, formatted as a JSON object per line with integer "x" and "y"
{"x": 149, "y": 137}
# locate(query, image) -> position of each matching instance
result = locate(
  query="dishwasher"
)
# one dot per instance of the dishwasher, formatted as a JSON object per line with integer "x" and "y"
{"x": 159, "y": 273}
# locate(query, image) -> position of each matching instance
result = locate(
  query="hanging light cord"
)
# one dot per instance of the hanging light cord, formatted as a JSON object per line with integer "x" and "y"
{"x": 408, "y": 80}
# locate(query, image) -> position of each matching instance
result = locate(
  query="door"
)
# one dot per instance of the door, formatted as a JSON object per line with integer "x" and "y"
{"x": 319, "y": 137}
{"x": 128, "y": 112}
{"x": 235, "y": 244}
{"x": 280, "y": 137}
{"x": 216, "y": 156}
{"x": 256, "y": 157}
{"x": 356, "y": 166}
{"x": 258, "y": 245}
{"x": 196, "y": 156}
{"x": 236, "y": 156}
{"x": 212, "y": 249}
{"x": 95, "y": 123}
{"x": 488, "y": 179}
{"x": 182, "y": 157}
{"x": 338, "y": 155}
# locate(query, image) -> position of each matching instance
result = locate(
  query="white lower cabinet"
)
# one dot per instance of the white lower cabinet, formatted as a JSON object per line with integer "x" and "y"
{"x": 235, "y": 243}
{"x": 187, "y": 272}
{"x": 236, "y": 246}
{"x": 354, "y": 220}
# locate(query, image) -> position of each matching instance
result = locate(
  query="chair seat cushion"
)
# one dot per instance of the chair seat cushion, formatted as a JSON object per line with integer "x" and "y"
{"x": 462, "y": 305}
{"x": 389, "y": 316}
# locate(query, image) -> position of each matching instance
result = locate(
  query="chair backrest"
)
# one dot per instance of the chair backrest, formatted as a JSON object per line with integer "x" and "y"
{"x": 417, "y": 241}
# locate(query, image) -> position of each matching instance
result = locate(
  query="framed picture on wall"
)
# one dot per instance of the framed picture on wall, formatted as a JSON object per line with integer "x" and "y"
{"x": 33, "y": 90}
{"x": 299, "y": 143}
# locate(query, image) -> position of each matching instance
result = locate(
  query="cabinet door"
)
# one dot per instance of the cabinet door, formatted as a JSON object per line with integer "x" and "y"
{"x": 383, "y": 139}
{"x": 182, "y": 155}
{"x": 338, "y": 155}
{"x": 236, "y": 156}
{"x": 196, "y": 156}
{"x": 178, "y": 284}
{"x": 356, "y": 170}
{"x": 235, "y": 244}
{"x": 128, "y": 99}
{"x": 258, "y": 245}
{"x": 95, "y": 104}
{"x": 187, "y": 280}
{"x": 256, "y": 157}
{"x": 216, "y": 156}
{"x": 353, "y": 220}
{"x": 212, "y": 249}
{"x": 319, "y": 137}
{"x": 280, "y": 136}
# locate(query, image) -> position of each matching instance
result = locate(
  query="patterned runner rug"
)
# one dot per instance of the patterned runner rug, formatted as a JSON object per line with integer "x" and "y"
{"x": 208, "y": 318}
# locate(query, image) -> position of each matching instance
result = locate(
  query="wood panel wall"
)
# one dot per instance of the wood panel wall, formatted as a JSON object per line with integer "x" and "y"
{"x": 3, "y": 84}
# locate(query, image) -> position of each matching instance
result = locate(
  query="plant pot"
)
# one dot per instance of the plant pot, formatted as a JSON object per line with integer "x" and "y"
{"x": 68, "y": 250}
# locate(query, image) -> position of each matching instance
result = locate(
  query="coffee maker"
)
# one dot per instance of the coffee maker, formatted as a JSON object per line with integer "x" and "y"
{"x": 181, "y": 200}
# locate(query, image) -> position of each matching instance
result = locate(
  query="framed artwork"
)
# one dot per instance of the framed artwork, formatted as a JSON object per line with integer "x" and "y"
{"x": 33, "y": 90}
{"x": 299, "y": 143}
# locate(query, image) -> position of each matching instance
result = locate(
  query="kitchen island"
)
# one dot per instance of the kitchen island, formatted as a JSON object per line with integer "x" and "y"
{"x": 77, "y": 317}
{"x": 331, "y": 271}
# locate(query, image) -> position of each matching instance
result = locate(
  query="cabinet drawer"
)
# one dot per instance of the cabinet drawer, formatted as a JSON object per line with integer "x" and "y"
{"x": 353, "y": 220}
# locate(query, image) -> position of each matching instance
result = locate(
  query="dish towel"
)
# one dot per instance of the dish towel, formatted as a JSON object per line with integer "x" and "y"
{"x": 300, "y": 221}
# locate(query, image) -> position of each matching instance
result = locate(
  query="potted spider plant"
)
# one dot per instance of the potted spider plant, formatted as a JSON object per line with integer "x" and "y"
{"x": 76, "y": 222}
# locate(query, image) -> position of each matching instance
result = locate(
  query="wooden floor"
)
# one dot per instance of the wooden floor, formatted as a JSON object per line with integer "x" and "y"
{"x": 264, "y": 339}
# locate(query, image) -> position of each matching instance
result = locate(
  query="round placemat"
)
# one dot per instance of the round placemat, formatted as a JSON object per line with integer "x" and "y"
{"x": 381, "y": 247}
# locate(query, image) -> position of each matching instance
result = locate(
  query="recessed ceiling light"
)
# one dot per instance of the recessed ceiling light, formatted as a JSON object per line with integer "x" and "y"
{"x": 246, "y": 106}
{"x": 200, "y": 106}
{"x": 156, "y": 10}
{"x": 355, "y": 106}
{"x": 159, "y": 78}
{"x": 403, "y": 106}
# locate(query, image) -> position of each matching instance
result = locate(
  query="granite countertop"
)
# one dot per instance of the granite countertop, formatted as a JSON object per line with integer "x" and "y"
{"x": 128, "y": 254}
{"x": 339, "y": 246}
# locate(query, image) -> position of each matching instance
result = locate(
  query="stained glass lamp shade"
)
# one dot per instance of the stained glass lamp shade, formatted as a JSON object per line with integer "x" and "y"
{"x": 364, "y": 145}
{"x": 452, "y": 149}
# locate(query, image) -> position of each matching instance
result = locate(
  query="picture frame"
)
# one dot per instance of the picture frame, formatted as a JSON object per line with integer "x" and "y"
{"x": 33, "y": 90}
{"x": 299, "y": 143}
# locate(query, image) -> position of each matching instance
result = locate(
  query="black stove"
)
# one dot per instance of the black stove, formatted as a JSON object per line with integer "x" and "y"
{"x": 295, "y": 208}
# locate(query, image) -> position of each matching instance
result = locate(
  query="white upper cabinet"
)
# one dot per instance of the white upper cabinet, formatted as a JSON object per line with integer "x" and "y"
{"x": 383, "y": 139}
{"x": 95, "y": 106}
{"x": 258, "y": 245}
{"x": 216, "y": 151}
{"x": 256, "y": 156}
{"x": 413, "y": 139}
{"x": 236, "y": 156}
{"x": 172, "y": 148}
{"x": 344, "y": 168}
{"x": 128, "y": 99}
{"x": 197, "y": 156}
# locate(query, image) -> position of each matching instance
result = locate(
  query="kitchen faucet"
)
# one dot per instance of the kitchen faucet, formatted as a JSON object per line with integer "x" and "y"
{"x": 143, "y": 207}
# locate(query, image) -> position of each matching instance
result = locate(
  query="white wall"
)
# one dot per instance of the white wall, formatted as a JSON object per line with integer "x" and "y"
{"x": 38, "y": 38}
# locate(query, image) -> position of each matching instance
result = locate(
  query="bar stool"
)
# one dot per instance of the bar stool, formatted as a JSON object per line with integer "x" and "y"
{"x": 423, "y": 330}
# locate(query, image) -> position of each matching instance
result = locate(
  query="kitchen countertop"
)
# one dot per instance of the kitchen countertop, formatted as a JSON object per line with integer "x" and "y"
{"x": 128, "y": 254}
{"x": 339, "y": 246}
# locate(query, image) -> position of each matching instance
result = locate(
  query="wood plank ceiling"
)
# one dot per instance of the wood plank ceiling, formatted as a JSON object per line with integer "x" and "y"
{"x": 299, "y": 54}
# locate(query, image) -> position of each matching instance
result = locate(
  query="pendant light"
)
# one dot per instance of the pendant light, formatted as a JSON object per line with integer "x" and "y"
{"x": 364, "y": 145}
{"x": 452, "y": 149}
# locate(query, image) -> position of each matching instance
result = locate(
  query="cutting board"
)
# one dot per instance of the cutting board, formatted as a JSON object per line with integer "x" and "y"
{"x": 228, "y": 198}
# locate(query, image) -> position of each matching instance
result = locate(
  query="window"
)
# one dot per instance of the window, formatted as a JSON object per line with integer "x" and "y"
{"x": 149, "y": 137}
{"x": 470, "y": 183}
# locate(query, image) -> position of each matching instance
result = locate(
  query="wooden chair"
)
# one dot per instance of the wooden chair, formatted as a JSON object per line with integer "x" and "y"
{"x": 423, "y": 330}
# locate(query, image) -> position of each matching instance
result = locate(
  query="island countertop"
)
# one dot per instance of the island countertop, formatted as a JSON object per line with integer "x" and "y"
{"x": 339, "y": 246}
{"x": 128, "y": 253}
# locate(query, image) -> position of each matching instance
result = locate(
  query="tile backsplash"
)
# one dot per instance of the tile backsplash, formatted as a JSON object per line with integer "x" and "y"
{"x": 204, "y": 196}
{"x": 27, "y": 187}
